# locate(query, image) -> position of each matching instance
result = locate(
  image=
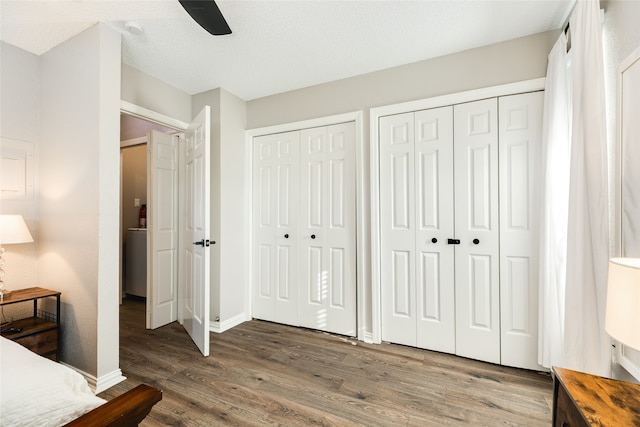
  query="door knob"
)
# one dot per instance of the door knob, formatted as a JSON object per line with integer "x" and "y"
{"x": 286, "y": 236}
{"x": 476, "y": 241}
{"x": 203, "y": 243}
{"x": 434, "y": 240}
{"x": 313, "y": 236}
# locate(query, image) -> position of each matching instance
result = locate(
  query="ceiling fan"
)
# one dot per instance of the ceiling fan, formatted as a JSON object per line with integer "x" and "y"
{"x": 208, "y": 15}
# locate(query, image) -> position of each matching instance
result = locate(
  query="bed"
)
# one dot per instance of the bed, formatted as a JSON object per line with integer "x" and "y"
{"x": 35, "y": 391}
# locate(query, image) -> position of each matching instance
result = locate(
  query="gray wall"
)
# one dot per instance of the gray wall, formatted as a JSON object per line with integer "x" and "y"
{"x": 146, "y": 91}
{"x": 79, "y": 175}
{"x": 20, "y": 121}
{"x": 511, "y": 61}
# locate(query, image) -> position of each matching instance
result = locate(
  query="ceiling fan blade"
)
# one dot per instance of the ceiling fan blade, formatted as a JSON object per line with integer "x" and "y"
{"x": 208, "y": 15}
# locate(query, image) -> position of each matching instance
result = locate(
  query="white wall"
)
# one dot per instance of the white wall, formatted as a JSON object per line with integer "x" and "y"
{"x": 79, "y": 195}
{"x": 20, "y": 121}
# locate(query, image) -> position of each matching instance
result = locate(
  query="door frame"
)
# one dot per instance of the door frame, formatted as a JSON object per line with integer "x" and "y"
{"x": 405, "y": 107}
{"x": 361, "y": 205}
{"x": 155, "y": 117}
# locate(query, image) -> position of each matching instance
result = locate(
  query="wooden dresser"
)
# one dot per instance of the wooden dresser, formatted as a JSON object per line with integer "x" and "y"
{"x": 581, "y": 399}
{"x": 38, "y": 333}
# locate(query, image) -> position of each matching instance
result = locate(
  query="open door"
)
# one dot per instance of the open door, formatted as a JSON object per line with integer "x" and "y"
{"x": 194, "y": 246}
{"x": 162, "y": 229}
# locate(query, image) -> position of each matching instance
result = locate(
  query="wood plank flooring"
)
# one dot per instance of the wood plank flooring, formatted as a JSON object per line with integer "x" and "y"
{"x": 261, "y": 373}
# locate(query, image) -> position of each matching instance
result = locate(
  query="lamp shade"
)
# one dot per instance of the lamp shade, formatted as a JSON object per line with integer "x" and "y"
{"x": 13, "y": 230}
{"x": 623, "y": 301}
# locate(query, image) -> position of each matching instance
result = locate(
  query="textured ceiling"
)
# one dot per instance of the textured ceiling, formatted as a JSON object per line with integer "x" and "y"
{"x": 278, "y": 46}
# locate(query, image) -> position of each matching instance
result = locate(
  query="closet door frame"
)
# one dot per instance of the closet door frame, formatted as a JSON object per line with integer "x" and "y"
{"x": 375, "y": 114}
{"x": 362, "y": 207}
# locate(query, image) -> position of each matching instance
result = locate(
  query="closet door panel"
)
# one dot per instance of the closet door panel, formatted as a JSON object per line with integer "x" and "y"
{"x": 341, "y": 232}
{"x": 264, "y": 171}
{"x": 476, "y": 223}
{"x": 327, "y": 229}
{"x": 435, "y": 296}
{"x": 275, "y": 213}
{"x": 520, "y": 145}
{"x": 397, "y": 226}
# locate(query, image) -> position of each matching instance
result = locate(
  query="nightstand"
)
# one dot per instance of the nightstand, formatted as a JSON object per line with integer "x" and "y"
{"x": 581, "y": 399}
{"x": 38, "y": 333}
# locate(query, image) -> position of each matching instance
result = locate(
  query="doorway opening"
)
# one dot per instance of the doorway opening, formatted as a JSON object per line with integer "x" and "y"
{"x": 133, "y": 200}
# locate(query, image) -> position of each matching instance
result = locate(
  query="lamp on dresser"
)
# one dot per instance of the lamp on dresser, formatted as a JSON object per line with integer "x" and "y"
{"x": 581, "y": 399}
{"x": 13, "y": 230}
{"x": 623, "y": 301}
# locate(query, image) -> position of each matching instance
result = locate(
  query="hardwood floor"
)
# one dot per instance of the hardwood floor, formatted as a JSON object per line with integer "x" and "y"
{"x": 261, "y": 373}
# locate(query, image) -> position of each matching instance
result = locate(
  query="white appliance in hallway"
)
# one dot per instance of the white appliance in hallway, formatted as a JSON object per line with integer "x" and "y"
{"x": 135, "y": 278}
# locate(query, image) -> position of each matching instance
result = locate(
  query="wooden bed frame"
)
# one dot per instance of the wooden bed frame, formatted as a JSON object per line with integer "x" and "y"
{"x": 128, "y": 409}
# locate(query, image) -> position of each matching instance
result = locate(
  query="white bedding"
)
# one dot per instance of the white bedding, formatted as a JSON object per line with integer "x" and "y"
{"x": 35, "y": 391}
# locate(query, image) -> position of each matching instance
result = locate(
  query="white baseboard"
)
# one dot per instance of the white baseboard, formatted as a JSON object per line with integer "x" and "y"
{"x": 219, "y": 327}
{"x": 367, "y": 337}
{"x": 98, "y": 385}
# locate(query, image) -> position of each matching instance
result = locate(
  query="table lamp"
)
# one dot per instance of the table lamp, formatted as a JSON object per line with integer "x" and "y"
{"x": 622, "y": 319}
{"x": 12, "y": 230}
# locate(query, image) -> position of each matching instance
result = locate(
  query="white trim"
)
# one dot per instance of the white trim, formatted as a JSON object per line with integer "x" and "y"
{"x": 28, "y": 172}
{"x": 361, "y": 235}
{"x": 461, "y": 97}
{"x": 618, "y": 150}
{"x": 152, "y": 116}
{"x": 627, "y": 363}
{"x": 133, "y": 142}
{"x": 355, "y": 116}
{"x": 219, "y": 327}
{"x": 368, "y": 338}
{"x": 98, "y": 385}
{"x": 405, "y": 107}
{"x": 305, "y": 124}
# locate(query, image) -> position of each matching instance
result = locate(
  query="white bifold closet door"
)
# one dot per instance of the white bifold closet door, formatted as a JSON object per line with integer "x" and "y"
{"x": 520, "y": 133}
{"x": 476, "y": 217}
{"x": 458, "y": 221}
{"x": 416, "y": 186}
{"x": 276, "y": 184}
{"x": 304, "y": 227}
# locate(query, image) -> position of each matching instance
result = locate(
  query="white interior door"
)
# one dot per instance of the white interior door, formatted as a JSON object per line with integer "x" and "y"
{"x": 162, "y": 229}
{"x": 327, "y": 229}
{"x": 520, "y": 147}
{"x": 476, "y": 222}
{"x": 195, "y": 233}
{"x": 435, "y": 278}
{"x": 397, "y": 229}
{"x": 275, "y": 218}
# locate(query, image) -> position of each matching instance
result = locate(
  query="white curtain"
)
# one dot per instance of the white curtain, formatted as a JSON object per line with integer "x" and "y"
{"x": 556, "y": 145}
{"x": 587, "y": 346}
{"x": 576, "y": 340}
